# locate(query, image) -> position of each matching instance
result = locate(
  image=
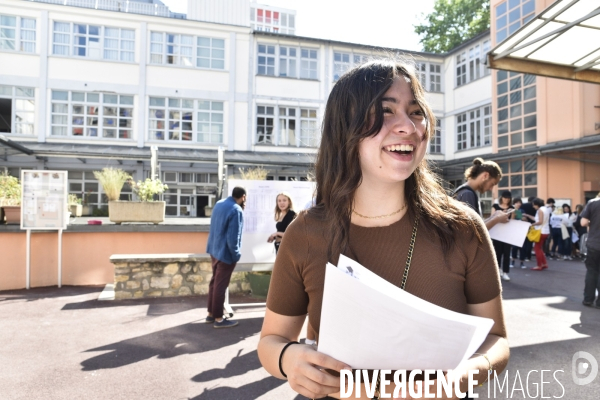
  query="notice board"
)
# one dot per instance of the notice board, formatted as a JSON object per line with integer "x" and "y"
{"x": 44, "y": 200}
{"x": 259, "y": 214}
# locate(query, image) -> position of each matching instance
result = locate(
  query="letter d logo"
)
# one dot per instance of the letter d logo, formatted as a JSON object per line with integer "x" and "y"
{"x": 583, "y": 367}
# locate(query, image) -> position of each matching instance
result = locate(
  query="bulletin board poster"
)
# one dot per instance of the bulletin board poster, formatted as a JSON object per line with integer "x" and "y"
{"x": 44, "y": 200}
{"x": 259, "y": 214}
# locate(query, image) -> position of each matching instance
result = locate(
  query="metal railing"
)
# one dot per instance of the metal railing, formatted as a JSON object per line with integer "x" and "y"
{"x": 126, "y": 6}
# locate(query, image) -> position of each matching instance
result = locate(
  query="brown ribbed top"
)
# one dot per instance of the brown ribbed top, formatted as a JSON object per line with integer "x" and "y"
{"x": 469, "y": 275}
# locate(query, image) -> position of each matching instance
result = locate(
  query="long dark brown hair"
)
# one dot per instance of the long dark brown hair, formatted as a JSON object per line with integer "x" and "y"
{"x": 354, "y": 112}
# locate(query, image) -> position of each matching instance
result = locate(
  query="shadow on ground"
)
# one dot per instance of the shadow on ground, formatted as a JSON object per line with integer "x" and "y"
{"x": 50, "y": 292}
{"x": 250, "y": 391}
{"x": 169, "y": 343}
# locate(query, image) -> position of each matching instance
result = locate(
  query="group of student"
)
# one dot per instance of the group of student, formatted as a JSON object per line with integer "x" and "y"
{"x": 561, "y": 232}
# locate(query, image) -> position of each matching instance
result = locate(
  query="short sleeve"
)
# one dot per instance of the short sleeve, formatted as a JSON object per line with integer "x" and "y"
{"x": 468, "y": 197}
{"x": 287, "y": 294}
{"x": 482, "y": 281}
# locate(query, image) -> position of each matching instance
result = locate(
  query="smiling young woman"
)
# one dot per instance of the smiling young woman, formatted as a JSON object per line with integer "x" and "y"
{"x": 374, "y": 192}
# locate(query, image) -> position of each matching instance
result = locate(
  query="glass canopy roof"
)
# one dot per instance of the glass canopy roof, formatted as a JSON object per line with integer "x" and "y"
{"x": 562, "y": 41}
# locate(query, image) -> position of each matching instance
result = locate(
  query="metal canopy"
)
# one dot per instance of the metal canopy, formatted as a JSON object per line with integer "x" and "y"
{"x": 563, "y": 41}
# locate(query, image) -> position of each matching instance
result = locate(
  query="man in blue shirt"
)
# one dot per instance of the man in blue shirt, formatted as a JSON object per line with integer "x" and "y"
{"x": 224, "y": 246}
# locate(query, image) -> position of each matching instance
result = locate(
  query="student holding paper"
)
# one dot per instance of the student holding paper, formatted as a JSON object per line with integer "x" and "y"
{"x": 378, "y": 203}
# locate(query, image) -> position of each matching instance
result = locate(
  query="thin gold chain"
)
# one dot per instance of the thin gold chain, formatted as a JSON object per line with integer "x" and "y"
{"x": 380, "y": 216}
{"x": 411, "y": 247}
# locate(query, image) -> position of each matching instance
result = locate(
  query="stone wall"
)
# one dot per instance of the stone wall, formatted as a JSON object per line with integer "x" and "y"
{"x": 167, "y": 275}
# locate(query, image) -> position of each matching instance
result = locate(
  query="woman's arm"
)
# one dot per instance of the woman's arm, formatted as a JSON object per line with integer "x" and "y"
{"x": 301, "y": 363}
{"x": 495, "y": 346}
{"x": 540, "y": 218}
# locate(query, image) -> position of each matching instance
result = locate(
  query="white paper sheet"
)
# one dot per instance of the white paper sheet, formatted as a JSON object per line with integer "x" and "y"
{"x": 369, "y": 323}
{"x": 513, "y": 232}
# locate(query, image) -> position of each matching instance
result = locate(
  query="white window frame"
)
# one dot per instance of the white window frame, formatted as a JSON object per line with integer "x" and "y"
{"x": 309, "y": 127}
{"x": 269, "y": 60}
{"x": 20, "y": 41}
{"x": 474, "y": 128}
{"x": 268, "y": 64}
{"x": 309, "y": 63}
{"x": 435, "y": 144}
{"x": 22, "y": 116}
{"x": 267, "y": 112}
{"x": 287, "y": 136}
{"x": 107, "y": 122}
{"x": 206, "y": 117}
{"x": 342, "y": 65}
{"x": 288, "y": 56}
{"x": 68, "y": 46}
{"x": 461, "y": 69}
{"x": 216, "y": 52}
{"x": 430, "y": 76}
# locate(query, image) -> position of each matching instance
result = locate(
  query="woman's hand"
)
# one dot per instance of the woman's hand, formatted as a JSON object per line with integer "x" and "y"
{"x": 272, "y": 237}
{"x": 304, "y": 368}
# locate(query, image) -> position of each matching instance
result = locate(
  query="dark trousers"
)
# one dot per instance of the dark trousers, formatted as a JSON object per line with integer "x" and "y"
{"x": 592, "y": 276}
{"x": 502, "y": 255}
{"x": 557, "y": 241}
{"x": 526, "y": 249}
{"x": 218, "y": 285}
{"x": 567, "y": 245}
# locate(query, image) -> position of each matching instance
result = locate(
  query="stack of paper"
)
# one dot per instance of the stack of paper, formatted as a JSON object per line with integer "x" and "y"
{"x": 368, "y": 323}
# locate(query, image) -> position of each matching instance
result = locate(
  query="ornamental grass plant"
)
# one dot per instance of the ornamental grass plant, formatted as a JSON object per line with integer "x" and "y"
{"x": 254, "y": 173}
{"x": 145, "y": 190}
{"x": 112, "y": 181}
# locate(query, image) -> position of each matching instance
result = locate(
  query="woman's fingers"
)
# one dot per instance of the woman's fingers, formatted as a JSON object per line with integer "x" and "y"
{"x": 303, "y": 366}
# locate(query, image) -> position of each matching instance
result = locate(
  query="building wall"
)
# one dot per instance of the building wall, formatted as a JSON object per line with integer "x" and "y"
{"x": 565, "y": 111}
{"x": 85, "y": 255}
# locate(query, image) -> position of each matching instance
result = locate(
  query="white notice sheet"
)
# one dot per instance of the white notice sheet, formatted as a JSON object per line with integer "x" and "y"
{"x": 369, "y": 323}
{"x": 513, "y": 232}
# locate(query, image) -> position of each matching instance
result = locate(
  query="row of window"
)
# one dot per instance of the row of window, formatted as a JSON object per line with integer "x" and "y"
{"x": 118, "y": 44}
{"x": 110, "y": 116}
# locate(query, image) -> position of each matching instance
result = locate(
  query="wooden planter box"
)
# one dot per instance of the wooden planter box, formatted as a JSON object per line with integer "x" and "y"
{"x": 136, "y": 211}
{"x": 12, "y": 214}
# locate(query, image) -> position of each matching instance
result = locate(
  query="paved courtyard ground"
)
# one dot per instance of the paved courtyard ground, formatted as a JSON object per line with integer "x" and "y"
{"x": 65, "y": 344}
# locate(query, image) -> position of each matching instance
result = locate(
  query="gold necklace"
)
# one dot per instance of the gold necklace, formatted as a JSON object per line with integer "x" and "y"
{"x": 380, "y": 216}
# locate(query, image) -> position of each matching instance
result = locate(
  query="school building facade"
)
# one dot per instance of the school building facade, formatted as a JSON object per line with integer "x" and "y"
{"x": 88, "y": 84}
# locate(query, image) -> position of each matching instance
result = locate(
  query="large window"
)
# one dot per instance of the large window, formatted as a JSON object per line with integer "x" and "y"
{"x": 17, "y": 33}
{"x": 511, "y": 15}
{"x": 287, "y": 61}
{"x": 93, "y": 115}
{"x": 470, "y": 64}
{"x": 187, "y": 50}
{"x": 93, "y": 41}
{"x": 516, "y": 102}
{"x": 295, "y": 126}
{"x": 474, "y": 128}
{"x": 186, "y": 120}
{"x": 520, "y": 177}
{"x": 342, "y": 62}
{"x": 272, "y": 21}
{"x": 17, "y": 110}
{"x": 430, "y": 75}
